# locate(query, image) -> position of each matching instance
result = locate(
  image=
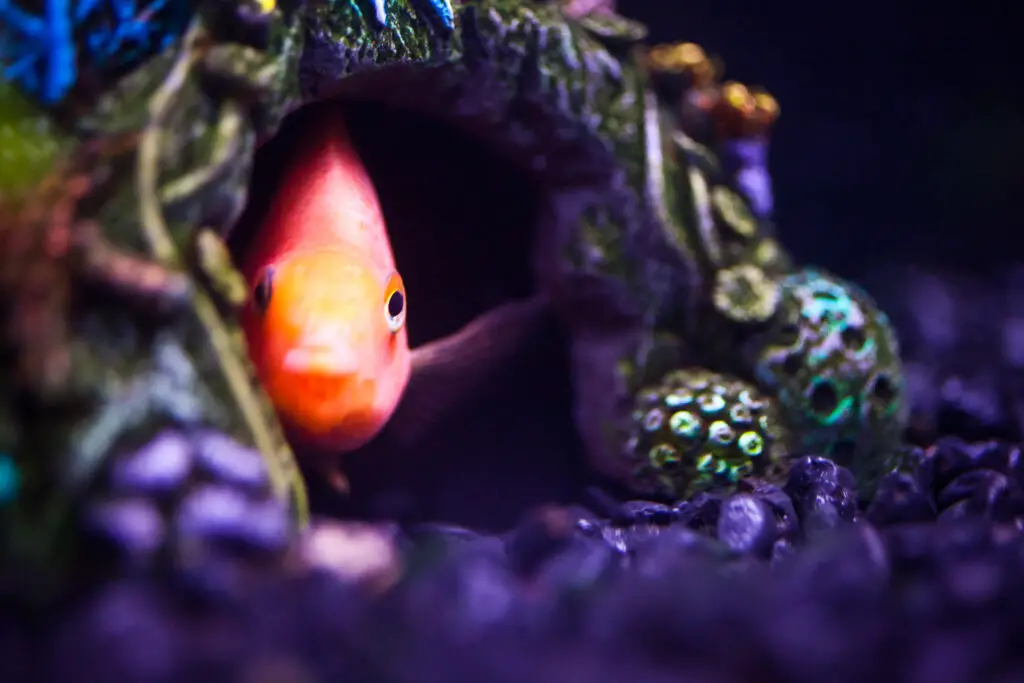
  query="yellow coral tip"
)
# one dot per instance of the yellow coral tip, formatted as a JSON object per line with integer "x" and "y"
{"x": 737, "y": 95}
{"x": 768, "y": 104}
{"x": 679, "y": 57}
{"x": 691, "y": 53}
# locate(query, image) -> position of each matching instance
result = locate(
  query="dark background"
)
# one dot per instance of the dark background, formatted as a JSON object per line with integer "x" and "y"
{"x": 902, "y": 128}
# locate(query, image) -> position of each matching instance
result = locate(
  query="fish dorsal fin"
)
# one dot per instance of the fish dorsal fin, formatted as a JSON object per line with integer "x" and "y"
{"x": 327, "y": 195}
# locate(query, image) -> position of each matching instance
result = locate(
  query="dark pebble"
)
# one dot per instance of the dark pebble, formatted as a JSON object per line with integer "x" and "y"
{"x": 127, "y": 633}
{"x": 787, "y": 522}
{"x": 983, "y": 493}
{"x": 951, "y": 457}
{"x": 847, "y": 572}
{"x": 538, "y": 538}
{"x": 645, "y": 512}
{"x": 133, "y": 526}
{"x": 852, "y": 605}
{"x": 471, "y": 588}
{"x": 701, "y": 513}
{"x": 899, "y": 500}
{"x": 216, "y": 581}
{"x": 1015, "y": 462}
{"x": 624, "y": 537}
{"x": 782, "y": 550}
{"x": 231, "y": 463}
{"x": 922, "y": 549}
{"x": 676, "y": 619}
{"x": 853, "y": 560}
{"x": 217, "y": 513}
{"x": 585, "y": 560}
{"x": 823, "y": 493}
{"x": 161, "y": 466}
{"x": 661, "y": 554}
{"x": 645, "y": 592}
{"x": 747, "y": 526}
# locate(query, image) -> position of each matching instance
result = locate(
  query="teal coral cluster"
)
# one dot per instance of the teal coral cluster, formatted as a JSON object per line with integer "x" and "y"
{"x": 832, "y": 361}
{"x": 699, "y": 430}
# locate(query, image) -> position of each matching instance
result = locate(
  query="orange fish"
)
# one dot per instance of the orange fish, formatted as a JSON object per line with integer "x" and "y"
{"x": 326, "y": 324}
{"x": 326, "y": 318}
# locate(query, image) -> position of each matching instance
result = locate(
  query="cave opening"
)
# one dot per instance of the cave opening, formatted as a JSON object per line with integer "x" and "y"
{"x": 461, "y": 221}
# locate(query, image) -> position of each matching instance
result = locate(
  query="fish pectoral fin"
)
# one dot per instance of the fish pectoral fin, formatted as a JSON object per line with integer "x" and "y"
{"x": 449, "y": 371}
{"x": 335, "y": 477}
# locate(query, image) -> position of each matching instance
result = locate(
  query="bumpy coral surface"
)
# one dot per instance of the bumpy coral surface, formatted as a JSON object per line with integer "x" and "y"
{"x": 833, "y": 363}
{"x": 700, "y": 430}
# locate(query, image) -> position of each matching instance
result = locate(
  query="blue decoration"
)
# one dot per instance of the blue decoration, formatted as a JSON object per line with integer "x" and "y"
{"x": 439, "y": 12}
{"x": 443, "y": 9}
{"x": 378, "y": 19}
{"x": 747, "y": 161}
{"x": 131, "y": 32}
{"x": 39, "y": 53}
{"x": 10, "y": 479}
{"x": 380, "y": 9}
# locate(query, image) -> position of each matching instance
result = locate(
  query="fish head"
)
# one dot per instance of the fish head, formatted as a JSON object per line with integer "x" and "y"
{"x": 326, "y": 330}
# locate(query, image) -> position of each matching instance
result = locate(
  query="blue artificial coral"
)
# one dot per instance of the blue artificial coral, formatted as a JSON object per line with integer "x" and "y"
{"x": 746, "y": 159}
{"x": 39, "y": 53}
{"x": 130, "y": 33}
{"x": 438, "y": 12}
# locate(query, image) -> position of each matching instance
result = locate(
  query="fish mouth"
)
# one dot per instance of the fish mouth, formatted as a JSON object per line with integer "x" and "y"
{"x": 468, "y": 194}
{"x": 323, "y": 361}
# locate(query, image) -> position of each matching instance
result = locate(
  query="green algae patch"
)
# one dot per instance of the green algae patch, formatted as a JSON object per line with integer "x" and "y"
{"x": 29, "y": 143}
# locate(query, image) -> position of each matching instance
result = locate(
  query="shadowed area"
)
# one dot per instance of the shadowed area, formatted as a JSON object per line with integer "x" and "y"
{"x": 461, "y": 225}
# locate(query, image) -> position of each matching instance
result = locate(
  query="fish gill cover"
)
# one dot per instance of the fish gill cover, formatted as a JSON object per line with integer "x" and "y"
{"x": 759, "y": 514}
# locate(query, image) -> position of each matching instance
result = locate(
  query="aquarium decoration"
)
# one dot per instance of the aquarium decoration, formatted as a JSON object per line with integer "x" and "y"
{"x": 737, "y": 402}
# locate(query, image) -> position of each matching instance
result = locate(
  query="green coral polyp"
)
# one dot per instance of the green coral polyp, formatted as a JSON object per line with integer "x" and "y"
{"x": 733, "y": 212}
{"x": 685, "y": 424}
{"x": 699, "y": 430}
{"x": 745, "y": 294}
{"x": 751, "y": 443}
{"x": 710, "y": 403}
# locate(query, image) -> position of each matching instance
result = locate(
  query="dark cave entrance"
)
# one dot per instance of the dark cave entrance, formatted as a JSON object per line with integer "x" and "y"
{"x": 461, "y": 223}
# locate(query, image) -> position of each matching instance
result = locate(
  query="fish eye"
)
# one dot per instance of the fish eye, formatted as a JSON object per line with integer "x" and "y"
{"x": 263, "y": 290}
{"x": 394, "y": 303}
